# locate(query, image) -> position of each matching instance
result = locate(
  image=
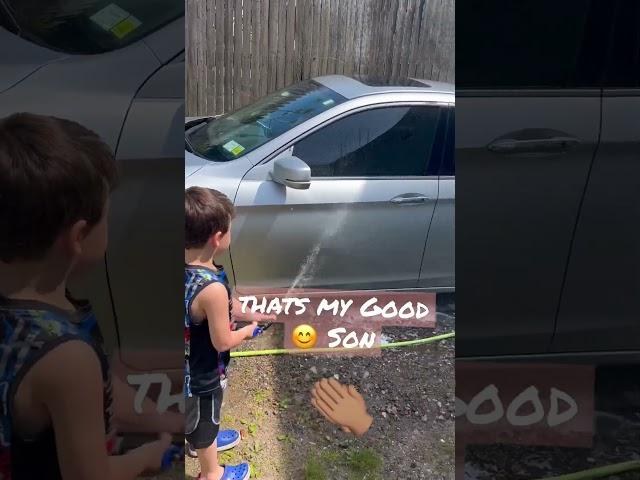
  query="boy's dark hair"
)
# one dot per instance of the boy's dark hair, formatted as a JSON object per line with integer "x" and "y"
{"x": 53, "y": 172}
{"x": 206, "y": 212}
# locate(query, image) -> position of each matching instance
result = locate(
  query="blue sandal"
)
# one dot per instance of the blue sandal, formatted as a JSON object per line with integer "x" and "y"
{"x": 226, "y": 440}
{"x": 241, "y": 471}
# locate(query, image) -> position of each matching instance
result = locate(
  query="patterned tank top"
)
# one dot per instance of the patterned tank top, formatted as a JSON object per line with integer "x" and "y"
{"x": 29, "y": 330}
{"x": 204, "y": 366}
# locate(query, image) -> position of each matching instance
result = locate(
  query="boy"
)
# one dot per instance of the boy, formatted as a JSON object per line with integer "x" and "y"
{"x": 55, "y": 386}
{"x": 208, "y": 332}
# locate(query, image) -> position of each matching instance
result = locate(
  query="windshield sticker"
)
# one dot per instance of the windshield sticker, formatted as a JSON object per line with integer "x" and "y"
{"x": 126, "y": 26}
{"x": 328, "y": 102}
{"x": 109, "y": 16}
{"x": 233, "y": 147}
{"x": 116, "y": 20}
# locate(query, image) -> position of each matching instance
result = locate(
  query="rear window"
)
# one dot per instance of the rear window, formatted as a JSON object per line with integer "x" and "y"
{"x": 373, "y": 81}
{"x": 90, "y": 26}
{"x": 234, "y": 135}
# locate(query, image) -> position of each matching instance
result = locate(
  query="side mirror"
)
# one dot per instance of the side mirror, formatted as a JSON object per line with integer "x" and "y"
{"x": 291, "y": 172}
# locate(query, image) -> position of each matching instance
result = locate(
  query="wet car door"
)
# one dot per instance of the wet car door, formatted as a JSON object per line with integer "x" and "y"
{"x": 600, "y": 302}
{"x": 528, "y": 122}
{"x": 438, "y": 263}
{"x": 364, "y": 220}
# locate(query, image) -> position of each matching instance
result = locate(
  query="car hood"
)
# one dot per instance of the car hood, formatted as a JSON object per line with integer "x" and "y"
{"x": 222, "y": 176}
{"x": 21, "y": 58}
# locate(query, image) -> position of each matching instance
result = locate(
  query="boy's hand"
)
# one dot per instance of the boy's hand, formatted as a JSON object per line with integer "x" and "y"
{"x": 154, "y": 453}
{"x": 249, "y": 329}
{"x": 263, "y": 317}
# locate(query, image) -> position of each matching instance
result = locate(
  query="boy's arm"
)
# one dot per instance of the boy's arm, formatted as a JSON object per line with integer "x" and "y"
{"x": 69, "y": 381}
{"x": 213, "y": 302}
{"x": 250, "y": 316}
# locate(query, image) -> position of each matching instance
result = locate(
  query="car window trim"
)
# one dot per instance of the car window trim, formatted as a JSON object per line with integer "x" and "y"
{"x": 315, "y": 128}
{"x": 529, "y": 92}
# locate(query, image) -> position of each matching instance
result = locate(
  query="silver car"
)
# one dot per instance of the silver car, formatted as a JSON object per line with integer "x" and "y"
{"x": 338, "y": 182}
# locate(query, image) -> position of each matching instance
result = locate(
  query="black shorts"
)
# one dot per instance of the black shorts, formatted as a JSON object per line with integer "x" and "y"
{"x": 203, "y": 419}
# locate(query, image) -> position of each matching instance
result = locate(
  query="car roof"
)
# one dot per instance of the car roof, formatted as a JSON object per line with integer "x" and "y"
{"x": 359, "y": 86}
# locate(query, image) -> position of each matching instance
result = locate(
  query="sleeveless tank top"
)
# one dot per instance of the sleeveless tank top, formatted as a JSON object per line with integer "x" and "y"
{"x": 29, "y": 330}
{"x": 204, "y": 365}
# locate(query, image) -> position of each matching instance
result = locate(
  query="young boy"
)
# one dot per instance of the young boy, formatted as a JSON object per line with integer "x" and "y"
{"x": 55, "y": 386}
{"x": 208, "y": 326}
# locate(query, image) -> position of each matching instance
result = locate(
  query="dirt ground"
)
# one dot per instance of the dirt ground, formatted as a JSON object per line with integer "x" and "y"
{"x": 409, "y": 392}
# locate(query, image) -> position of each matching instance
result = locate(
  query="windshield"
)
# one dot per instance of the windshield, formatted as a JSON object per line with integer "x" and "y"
{"x": 88, "y": 26}
{"x": 234, "y": 135}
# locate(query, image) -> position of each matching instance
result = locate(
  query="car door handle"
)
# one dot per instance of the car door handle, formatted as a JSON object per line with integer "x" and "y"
{"x": 534, "y": 145}
{"x": 410, "y": 198}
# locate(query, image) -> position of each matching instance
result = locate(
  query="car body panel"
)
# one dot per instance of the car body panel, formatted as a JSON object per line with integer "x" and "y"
{"x": 339, "y": 233}
{"x": 515, "y": 312}
{"x": 21, "y": 59}
{"x": 601, "y": 301}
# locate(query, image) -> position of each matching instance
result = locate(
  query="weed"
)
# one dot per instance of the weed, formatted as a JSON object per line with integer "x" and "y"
{"x": 260, "y": 396}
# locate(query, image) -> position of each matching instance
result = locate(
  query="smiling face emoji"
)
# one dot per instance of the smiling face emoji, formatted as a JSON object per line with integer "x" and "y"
{"x": 304, "y": 336}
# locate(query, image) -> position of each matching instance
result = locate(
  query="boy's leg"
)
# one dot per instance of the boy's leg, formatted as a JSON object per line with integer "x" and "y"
{"x": 202, "y": 425}
{"x": 208, "y": 459}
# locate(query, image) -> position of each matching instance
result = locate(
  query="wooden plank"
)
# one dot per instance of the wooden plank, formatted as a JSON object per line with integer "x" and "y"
{"x": 219, "y": 85}
{"x": 426, "y": 53}
{"x": 282, "y": 44}
{"x": 237, "y": 54}
{"x": 290, "y": 58}
{"x": 315, "y": 36}
{"x": 396, "y": 41}
{"x": 415, "y": 37}
{"x": 228, "y": 55}
{"x": 246, "y": 53}
{"x": 363, "y": 10}
{"x": 265, "y": 49}
{"x": 210, "y": 58}
{"x": 257, "y": 26}
{"x": 405, "y": 46}
{"x": 326, "y": 36}
{"x": 273, "y": 45}
{"x": 334, "y": 21}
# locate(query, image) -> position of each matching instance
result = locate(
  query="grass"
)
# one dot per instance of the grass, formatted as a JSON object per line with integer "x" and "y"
{"x": 363, "y": 464}
{"x": 314, "y": 470}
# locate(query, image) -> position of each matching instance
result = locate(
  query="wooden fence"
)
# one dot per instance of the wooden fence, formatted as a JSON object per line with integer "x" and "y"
{"x": 240, "y": 50}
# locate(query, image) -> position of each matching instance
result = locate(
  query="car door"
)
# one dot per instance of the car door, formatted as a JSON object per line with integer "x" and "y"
{"x": 364, "y": 220}
{"x": 147, "y": 220}
{"x": 528, "y": 121}
{"x": 437, "y": 271}
{"x": 600, "y": 303}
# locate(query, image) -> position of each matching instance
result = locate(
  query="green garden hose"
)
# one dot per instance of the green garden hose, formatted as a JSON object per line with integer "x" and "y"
{"x": 289, "y": 351}
{"x": 600, "y": 472}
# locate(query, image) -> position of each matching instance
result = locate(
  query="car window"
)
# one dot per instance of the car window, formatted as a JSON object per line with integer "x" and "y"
{"x": 448, "y": 167}
{"x": 623, "y": 68}
{"x": 520, "y": 45}
{"x": 390, "y": 141}
{"x": 234, "y": 135}
{"x": 89, "y": 26}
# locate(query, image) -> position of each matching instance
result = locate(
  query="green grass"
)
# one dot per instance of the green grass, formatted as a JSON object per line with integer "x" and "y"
{"x": 314, "y": 470}
{"x": 362, "y": 464}
{"x": 366, "y": 463}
